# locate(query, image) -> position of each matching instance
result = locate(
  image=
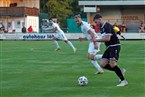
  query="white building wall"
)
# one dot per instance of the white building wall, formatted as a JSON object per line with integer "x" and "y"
{"x": 15, "y": 23}
{"x": 20, "y": 3}
{"x": 18, "y": 22}
{"x": 111, "y": 14}
{"x": 34, "y": 22}
{"x": 4, "y": 3}
{"x": 12, "y": 24}
{"x": 29, "y": 3}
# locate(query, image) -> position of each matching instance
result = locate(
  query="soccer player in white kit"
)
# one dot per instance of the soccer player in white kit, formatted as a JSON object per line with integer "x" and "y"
{"x": 59, "y": 34}
{"x": 94, "y": 47}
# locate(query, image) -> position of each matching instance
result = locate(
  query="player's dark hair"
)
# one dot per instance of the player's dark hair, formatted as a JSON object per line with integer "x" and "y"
{"x": 50, "y": 18}
{"x": 97, "y": 16}
{"x": 78, "y": 16}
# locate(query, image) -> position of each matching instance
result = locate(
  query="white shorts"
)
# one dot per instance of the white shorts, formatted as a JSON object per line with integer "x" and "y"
{"x": 92, "y": 50}
{"x": 60, "y": 36}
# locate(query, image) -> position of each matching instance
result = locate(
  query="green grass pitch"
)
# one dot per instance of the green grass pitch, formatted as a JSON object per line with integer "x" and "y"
{"x": 34, "y": 69}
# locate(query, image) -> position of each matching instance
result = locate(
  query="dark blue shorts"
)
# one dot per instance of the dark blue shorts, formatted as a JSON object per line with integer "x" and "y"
{"x": 112, "y": 53}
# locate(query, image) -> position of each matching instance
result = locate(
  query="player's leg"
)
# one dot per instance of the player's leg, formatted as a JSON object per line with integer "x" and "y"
{"x": 105, "y": 60}
{"x": 91, "y": 56}
{"x": 56, "y": 43}
{"x": 69, "y": 43}
{"x": 111, "y": 65}
{"x": 98, "y": 56}
{"x": 119, "y": 73}
{"x": 63, "y": 37}
{"x": 95, "y": 63}
{"x": 117, "y": 70}
{"x": 114, "y": 55}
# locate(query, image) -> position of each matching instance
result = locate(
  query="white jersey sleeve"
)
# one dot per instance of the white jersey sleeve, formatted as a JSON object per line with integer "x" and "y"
{"x": 85, "y": 27}
{"x": 55, "y": 25}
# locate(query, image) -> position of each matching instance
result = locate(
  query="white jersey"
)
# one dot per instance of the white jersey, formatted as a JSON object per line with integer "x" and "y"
{"x": 55, "y": 25}
{"x": 85, "y": 27}
{"x": 59, "y": 34}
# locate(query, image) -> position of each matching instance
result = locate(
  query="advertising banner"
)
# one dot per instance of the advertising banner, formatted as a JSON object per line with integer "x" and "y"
{"x": 49, "y": 36}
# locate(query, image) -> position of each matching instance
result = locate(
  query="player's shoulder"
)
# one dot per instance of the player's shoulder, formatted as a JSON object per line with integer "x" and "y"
{"x": 55, "y": 25}
{"x": 108, "y": 24}
{"x": 85, "y": 24}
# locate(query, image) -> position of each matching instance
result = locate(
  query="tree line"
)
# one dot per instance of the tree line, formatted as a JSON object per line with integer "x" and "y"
{"x": 61, "y": 9}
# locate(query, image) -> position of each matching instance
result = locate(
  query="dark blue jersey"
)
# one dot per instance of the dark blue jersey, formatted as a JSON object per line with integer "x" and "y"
{"x": 108, "y": 29}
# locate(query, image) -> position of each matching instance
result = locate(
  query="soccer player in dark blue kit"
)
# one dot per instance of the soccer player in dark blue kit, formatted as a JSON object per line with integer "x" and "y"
{"x": 111, "y": 54}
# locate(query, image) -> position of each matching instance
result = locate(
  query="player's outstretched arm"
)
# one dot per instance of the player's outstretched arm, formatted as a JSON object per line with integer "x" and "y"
{"x": 104, "y": 39}
{"x": 81, "y": 38}
{"x": 55, "y": 29}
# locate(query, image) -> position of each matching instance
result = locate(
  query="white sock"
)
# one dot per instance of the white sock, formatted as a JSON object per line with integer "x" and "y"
{"x": 95, "y": 63}
{"x": 56, "y": 43}
{"x": 70, "y": 44}
{"x": 98, "y": 56}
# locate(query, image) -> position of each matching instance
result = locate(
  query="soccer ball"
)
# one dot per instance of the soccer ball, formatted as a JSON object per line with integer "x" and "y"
{"x": 82, "y": 81}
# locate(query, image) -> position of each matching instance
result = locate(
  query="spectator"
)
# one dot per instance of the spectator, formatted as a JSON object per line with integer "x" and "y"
{"x": 141, "y": 28}
{"x": 2, "y": 27}
{"x": 119, "y": 26}
{"x": 30, "y": 29}
{"x": 5, "y": 31}
{"x": 117, "y": 30}
{"x": 23, "y": 29}
{"x": 13, "y": 31}
{"x": 123, "y": 27}
{"x": 115, "y": 24}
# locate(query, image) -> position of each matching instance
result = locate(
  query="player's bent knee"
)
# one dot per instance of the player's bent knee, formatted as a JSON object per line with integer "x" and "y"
{"x": 65, "y": 41}
{"x": 113, "y": 63}
{"x": 91, "y": 56}
{"x": 54, "y": 38}
{"x": 103, "y": 63}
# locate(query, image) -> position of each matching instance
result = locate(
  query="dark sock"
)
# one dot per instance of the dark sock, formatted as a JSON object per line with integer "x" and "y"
{"x": 108, "y": 67}
{"x": 118, "y": 72}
